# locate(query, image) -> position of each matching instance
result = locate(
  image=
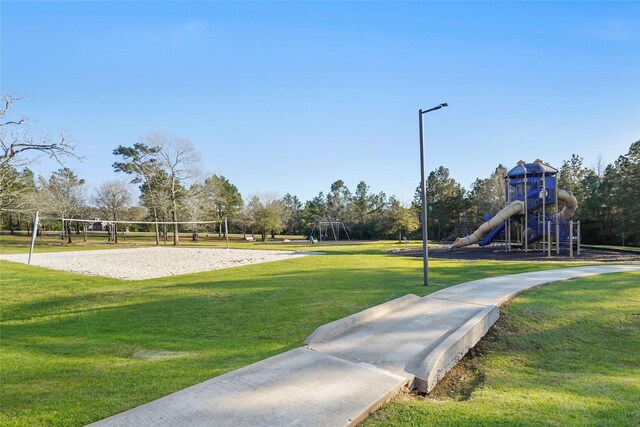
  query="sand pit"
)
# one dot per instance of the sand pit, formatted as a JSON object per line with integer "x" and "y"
{"x": 150, "y": 263}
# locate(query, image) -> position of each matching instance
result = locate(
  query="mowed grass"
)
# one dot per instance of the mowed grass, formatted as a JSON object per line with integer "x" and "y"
{"x": 617, "y": 248}
{"x": 566, "y": 354}
{"x": 19, "y": 243}
{"x": 76, "y": 348}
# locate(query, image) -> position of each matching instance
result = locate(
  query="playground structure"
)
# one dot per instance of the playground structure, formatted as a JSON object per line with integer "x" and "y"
{"x": 530, "y": 219}
{"x": 327, "y": 229}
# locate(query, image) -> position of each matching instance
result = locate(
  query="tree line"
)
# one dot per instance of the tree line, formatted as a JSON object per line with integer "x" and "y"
{"x": 168, "y": 173}
{"x": 608, "y": 199}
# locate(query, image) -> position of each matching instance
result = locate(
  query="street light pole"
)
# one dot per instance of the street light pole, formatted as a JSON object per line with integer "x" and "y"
{"x": 425, "y": 248}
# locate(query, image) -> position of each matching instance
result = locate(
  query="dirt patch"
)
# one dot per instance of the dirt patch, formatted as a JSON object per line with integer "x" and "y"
{"x": 460, "y": 382}
{"x": 467, "y": 375}
{"x": 499, "y": 254}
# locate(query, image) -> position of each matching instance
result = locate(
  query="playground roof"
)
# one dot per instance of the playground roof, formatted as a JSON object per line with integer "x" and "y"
{"x": 532, "y": 169}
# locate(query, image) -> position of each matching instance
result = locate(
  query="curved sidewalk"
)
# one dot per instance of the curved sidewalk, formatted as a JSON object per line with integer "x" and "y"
{"x": 349, "y": 367}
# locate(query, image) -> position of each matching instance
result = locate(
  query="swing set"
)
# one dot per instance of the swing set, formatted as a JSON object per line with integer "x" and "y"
{"x": 327, "y": 230}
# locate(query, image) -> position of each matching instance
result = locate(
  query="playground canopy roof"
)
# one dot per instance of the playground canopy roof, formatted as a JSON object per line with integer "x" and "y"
{"x": 532, "y": 169}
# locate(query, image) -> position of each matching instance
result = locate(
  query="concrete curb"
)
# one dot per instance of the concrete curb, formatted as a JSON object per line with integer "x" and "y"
{"x": 356, "y": 364}
{"x": 341, "y": 326}
{"x": 364, "y": 414}
{"x": 279, "y": 391}
{"x": 449, "y": 352}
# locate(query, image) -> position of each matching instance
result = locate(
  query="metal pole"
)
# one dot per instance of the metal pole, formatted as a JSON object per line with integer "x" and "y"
{"x": 520, "y": 232}
{"x": 549, "y": 239}
{"x": 557, "y": 216}
{"x": 526, "y": 212}
{"x": 578, "y": 238}
{"x": 334, "y": 231}
{"x": 508, "y": 234}
{"x": 571, "y": 239}
{"x": 425, "y": 249}
{"x": 544, "y": 205}
{"x": 345, "y": 232}
{"x": 506, "y": 221}
{"x": 226, "y": 231}
{"x": 313, "y": 229}
{"x": 33, "y": 236}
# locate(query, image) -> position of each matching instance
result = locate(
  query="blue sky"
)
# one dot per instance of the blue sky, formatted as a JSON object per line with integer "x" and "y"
{"x": 289, "y": 97}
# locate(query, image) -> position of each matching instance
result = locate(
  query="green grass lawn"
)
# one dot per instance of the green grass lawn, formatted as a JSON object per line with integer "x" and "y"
{"x": 618, "y": 248}
{"x": 566, "y": 354}
{"x": 76, "y": 348}
{"x": 19, "y": 243}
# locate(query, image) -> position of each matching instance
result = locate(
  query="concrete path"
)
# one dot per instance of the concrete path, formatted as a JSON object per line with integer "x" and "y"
{"x": 350, "y": 367}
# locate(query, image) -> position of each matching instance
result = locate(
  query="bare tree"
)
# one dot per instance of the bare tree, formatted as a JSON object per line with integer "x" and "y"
{"x": 180, "y": 161}
{"x": 63, "y": 195}
{"x": 155, "y": 196}
{"x": 197, "y": 208}
{"x": 18, "y": 141}
{"x": 18, "y": 147}
{"x": 113, "y": 198}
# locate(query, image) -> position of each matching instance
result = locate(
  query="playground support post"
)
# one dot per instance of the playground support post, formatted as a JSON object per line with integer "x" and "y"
{"x": 508, "y": 228}
{"x": 544, "y": 203}
{"x": 549, "y": 239}
{"x": 33, "y": 235}
{"x": 334, "y": 231}
{"x": 555, "y": 190}
{"x": 345, "y": 232}
{"x": 506, "y": 236}
{"x": 571, "y": 224}
{"x": 312, "y": 230}
{"x": 520, "y": 232}
{"x": 526, "y": 212}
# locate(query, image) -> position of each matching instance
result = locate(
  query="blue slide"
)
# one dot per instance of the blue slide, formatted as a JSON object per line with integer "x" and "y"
{"x": 492, "y": 235}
